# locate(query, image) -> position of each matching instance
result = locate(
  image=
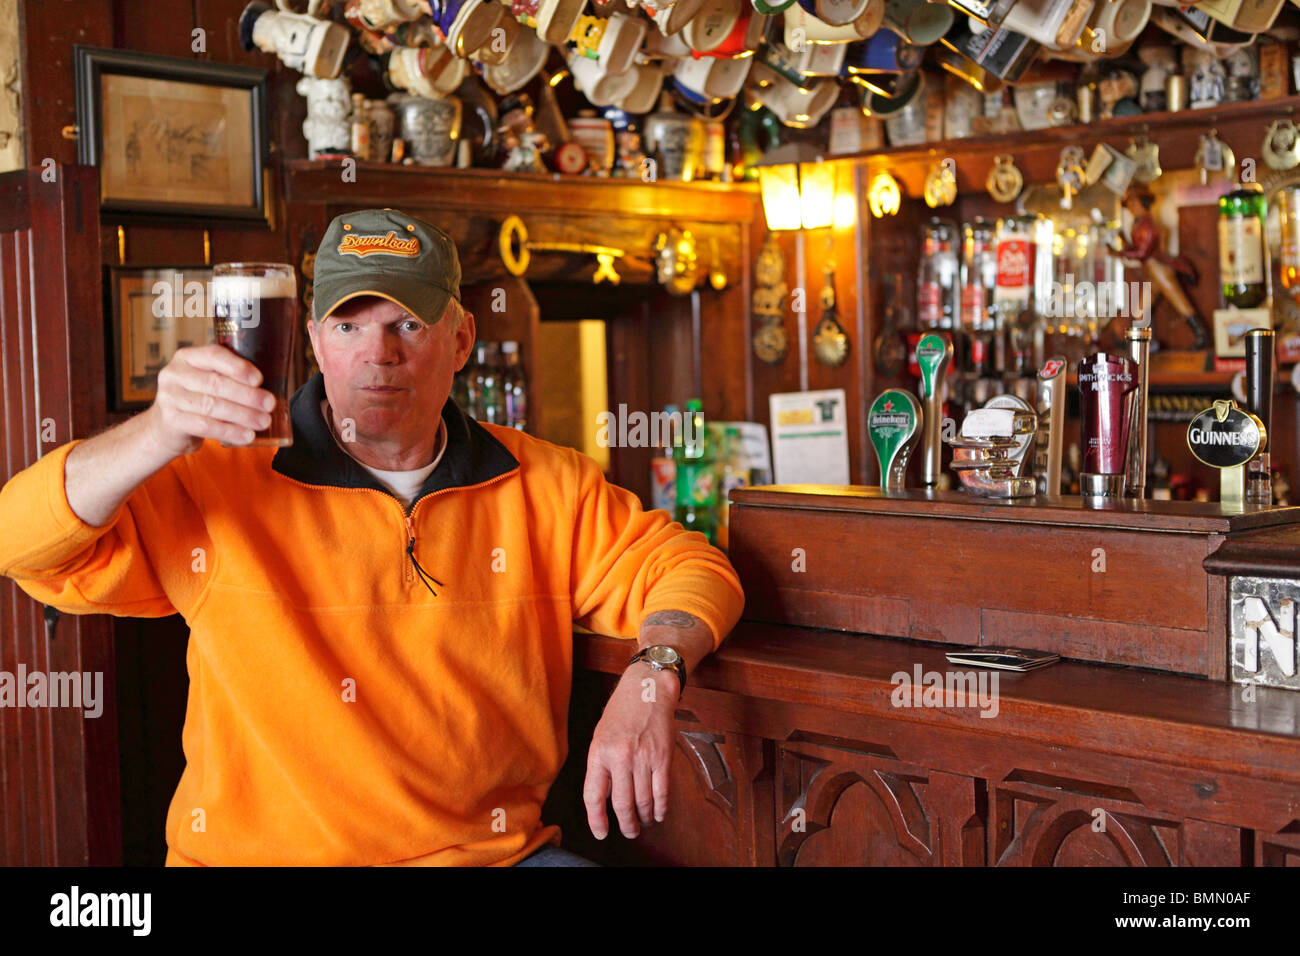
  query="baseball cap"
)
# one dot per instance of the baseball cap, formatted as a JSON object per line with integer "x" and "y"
{"x": 387, "y": 253}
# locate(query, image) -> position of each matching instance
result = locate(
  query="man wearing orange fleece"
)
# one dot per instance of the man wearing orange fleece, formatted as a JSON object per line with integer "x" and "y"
{"x": 381, "y": 613}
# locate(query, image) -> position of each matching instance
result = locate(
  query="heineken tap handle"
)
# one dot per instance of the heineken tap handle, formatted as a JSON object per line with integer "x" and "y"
{"x": 933, "y": 355}
{"x": 894, "y": 424}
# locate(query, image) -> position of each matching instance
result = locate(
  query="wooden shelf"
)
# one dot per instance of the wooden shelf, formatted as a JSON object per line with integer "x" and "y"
{"x": 493, "y": 191}
{"x": 1149, "y": 124}
{"x": 1241, "y": 125}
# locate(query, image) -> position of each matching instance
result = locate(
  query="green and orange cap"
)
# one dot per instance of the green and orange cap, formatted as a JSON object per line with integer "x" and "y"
{"x": 387, "y": 253}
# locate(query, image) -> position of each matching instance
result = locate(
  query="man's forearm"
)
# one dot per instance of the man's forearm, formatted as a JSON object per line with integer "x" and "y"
{"x": 102, "y": 472}
{"x": 683, "y": 632}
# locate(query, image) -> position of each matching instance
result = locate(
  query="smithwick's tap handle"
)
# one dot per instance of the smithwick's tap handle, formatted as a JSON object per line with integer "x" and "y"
{"x": 894, "y": 424}
{"x": 933, "y": 356}
{"x": 1051, "y": 426}
{"x": 1260, "y": 356}
{"x": 1139, "y": 350}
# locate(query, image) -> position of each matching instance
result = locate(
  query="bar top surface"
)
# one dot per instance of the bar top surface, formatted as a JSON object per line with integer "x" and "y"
{"x": 1191, "y": 517}
{"x": 1184, "y": 721}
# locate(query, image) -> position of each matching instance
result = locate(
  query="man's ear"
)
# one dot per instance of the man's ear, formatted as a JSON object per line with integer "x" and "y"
{"x": 311, "y": 334}
{"x": 465, "y": 336}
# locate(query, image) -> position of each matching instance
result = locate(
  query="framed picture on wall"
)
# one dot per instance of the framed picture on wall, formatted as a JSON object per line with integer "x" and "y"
{"x": 173, "y": 138}
{"x": 155, "y": 312}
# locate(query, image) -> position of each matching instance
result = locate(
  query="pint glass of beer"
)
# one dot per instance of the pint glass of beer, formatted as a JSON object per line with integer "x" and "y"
{"x": 255, "y": 306}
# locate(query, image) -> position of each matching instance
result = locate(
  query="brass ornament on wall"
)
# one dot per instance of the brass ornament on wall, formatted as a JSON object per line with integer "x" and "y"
{"x": 770, "y": 342}
{"x": 1005, "y": 180}
{"x": 830, "y": 341}
{"x": 941, "y": 184}
{"x": 1146, "y": 154}
{"x": 676, "y": 257}
{"x": 1214, "y": 157}
{"x": 1281, "y": 147}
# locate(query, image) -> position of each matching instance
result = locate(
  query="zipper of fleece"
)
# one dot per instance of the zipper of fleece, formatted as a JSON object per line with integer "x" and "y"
{"x": 425, "y": 577}
{"x": 409, "y": 519}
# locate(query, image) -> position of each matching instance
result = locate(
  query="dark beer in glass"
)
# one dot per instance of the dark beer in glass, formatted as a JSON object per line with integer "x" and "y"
{"x": 255, "y": 305}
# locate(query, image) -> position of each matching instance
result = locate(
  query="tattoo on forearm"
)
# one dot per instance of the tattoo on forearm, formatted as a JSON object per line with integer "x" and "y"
{"x": 671, "y": 619}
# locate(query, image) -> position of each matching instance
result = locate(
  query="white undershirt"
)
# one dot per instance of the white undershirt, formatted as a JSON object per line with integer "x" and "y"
{"x": 404, "y": 484}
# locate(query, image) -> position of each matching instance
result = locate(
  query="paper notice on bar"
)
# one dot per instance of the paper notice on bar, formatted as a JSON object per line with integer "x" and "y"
{"x": 810, "y": 437}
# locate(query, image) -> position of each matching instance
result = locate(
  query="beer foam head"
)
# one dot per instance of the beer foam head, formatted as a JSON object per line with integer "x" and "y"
{"x": 244, "y": 287}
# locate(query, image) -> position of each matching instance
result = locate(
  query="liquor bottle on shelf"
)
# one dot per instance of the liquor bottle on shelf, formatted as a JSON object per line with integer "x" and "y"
{"x": 486, "y": 396}
{"x": 514, "y": 386}
{"x": 460, "y": 389}
{"x": 1242, "y": 260}
{"x": 1011, "y": 295}
{"x": 1288, "y": 199}
{"x": 663, "y": 470}
{"x": 979, "y": 273}
{"x": 696, "y": 487}
{"x": 732, "y": 473}
{"x": 936, "y": 283}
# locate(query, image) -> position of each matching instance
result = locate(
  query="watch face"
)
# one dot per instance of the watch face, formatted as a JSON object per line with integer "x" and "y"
{"x": 663, "y": 655}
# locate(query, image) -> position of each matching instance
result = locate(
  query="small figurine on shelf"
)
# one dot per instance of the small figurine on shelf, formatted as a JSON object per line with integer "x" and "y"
{"x": 1160, "y": 63}
{"x": 1118, "y": 93}
{"x": 1166, "y": 273}
{"x": 1281, "y": 489}
{"x": 326, "y": 128}
{"x": 522, "y": 143}
{"x": 629, "y": 157}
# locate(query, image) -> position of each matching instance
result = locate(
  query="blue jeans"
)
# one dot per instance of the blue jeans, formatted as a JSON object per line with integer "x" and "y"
{"x": 551, "y": 855}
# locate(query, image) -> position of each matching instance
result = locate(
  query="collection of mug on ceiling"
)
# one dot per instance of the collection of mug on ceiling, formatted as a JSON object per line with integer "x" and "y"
{"x": 788, "y": 61}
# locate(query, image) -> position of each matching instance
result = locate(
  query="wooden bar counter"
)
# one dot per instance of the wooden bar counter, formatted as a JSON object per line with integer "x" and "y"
{"x": 804, "y": 742}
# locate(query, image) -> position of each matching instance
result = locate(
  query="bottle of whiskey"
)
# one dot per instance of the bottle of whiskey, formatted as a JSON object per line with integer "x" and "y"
{"x": 1241, "y": 246}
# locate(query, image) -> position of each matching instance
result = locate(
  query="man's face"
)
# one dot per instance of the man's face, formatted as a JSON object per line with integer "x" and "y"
{"x": 388, "y": 371}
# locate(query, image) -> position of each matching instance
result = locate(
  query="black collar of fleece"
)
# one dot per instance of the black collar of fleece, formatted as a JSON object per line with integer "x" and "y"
{"x": 472, "y": 455}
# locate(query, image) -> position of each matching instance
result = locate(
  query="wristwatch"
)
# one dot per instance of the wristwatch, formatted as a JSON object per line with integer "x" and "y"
{"x": 663, "y": 658}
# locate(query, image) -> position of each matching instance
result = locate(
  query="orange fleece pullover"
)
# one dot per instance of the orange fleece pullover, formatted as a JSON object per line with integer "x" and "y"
{"x": 340, "y": 711}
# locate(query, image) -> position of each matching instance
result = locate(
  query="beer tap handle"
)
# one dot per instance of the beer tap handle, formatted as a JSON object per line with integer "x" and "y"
{"x": 933, "y": 356}
{"x": 1260, "y": 357}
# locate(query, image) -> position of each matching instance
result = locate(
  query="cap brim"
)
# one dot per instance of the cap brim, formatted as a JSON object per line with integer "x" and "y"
{"x": 399, "y": 291}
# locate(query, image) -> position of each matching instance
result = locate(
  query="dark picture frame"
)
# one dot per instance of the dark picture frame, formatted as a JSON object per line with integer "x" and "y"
{"x": 144, "y": 341}
{"x": 173, "y": 138}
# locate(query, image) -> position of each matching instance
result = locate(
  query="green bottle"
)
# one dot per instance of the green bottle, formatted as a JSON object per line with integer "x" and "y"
{"x": 696, "y": 485}
{"x": 1241, "y": 245}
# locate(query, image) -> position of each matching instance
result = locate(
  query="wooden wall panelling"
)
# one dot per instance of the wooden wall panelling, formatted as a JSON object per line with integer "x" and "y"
{"x": 49, "y": 102}
{"x": 60, "y": 790}
{"x": 727, "y": 381}
{"x": 784, "y": 376}
{"x": 629, "y": 377}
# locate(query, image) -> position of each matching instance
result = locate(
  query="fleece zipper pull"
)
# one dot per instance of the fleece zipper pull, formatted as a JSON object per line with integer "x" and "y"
{"x": 425, "y": 576}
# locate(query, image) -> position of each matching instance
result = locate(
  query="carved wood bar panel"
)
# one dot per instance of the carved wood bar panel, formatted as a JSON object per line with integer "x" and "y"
{"x": 791, "y": 752}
